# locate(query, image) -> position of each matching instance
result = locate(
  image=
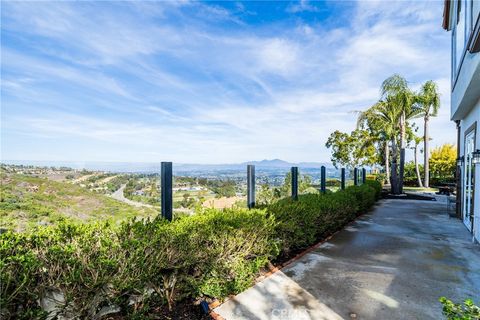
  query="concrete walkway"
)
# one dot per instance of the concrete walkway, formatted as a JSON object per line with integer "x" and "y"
{"x": 393, "y": 263}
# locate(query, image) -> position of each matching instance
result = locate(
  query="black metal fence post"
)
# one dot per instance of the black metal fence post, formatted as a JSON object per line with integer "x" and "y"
{"x": 166, "y": 193}
{"x": 342, "y": 179}
{"x": 323, "y": 187}
{"x": 250, "y": 186}
{"x": 294, "y": 172}
{"x": 364, "y": 175}
{"x": 355, "y": 176}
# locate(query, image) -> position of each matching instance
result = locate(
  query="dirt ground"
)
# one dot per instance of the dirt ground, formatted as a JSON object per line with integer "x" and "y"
{"x": 222, "y": 202}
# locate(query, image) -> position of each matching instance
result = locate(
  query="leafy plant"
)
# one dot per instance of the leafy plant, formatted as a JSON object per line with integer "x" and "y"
{"x": 457, "y": 311}
{"x": 443, "y": 161}
{"x": 143, "y": 264}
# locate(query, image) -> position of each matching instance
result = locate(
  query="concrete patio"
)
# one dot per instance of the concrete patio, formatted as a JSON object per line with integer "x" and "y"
{"x": 393, "y": 263}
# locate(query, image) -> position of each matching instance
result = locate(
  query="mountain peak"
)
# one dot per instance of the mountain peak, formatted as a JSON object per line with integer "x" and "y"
{"x": 270, "y": 163}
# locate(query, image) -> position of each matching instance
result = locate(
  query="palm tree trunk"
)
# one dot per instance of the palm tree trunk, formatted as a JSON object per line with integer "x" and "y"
{"x": 387, "y": 161}
{"x": 402, "y": 153}
{"x": 394, "y": 176}
{"x": 426, "y": 154}
{"x": 417, "y": 170}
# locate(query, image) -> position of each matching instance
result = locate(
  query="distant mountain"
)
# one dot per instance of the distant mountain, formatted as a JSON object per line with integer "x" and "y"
{"x": 149, "y": 167}
{"x": 276, "y": 163}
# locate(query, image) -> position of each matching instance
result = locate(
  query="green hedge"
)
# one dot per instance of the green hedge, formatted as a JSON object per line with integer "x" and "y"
{"x": 377, "y": 186}
{"x": 141, "y": 264}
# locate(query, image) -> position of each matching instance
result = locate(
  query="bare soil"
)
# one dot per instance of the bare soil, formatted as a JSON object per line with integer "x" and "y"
{"x": 221, "y": 203}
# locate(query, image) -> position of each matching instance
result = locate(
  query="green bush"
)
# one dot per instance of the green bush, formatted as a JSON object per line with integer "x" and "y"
{"x": 457, "y": 311}
{"x": 213, "y": 253}
{"x": 301, "y": 223}
{"x": 377, "y": 186}
{"x": 141, "y": 264}
{"x": 364, "y": 195}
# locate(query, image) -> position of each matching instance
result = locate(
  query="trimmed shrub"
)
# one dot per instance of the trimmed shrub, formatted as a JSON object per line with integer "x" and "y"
{"x": 364, "y": 195}
{"x": 139, "y": 265}
{"x": 377, "y": 186}
{"x": 380, "y": 177}
{"x": 213, "y": 253}
{"x": 302, "y": 223}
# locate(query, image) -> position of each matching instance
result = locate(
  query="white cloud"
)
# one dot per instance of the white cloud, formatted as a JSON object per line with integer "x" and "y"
{"x": 277, "y": 55}
{"x": 301, "y": 6}
{"x": 196, "y": 91}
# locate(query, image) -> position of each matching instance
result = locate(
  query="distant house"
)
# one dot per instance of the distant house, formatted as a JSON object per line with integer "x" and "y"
{"x": 462, "y": 18}
{"x": 197, "y": 188}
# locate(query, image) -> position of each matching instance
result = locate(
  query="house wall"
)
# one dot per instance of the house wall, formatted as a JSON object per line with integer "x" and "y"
{"x": 466, "y": 90}
{"x": 465, "y": 65}
{"x": 469, "y": 119}
{"x": 465, "y": 97}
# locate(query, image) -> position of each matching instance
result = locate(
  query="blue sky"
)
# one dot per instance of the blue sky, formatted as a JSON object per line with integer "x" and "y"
{"x": 206, "y": 82}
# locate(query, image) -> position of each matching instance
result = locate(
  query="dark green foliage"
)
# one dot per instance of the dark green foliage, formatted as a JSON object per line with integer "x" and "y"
{"x": 376, "y": 185}
{"x": 213, "y": 253}
{"x": 457, "y": 311}
{"x": 364, "y": 196}
{"x": 303, "y": 222}
{"x": 352, "y": 150}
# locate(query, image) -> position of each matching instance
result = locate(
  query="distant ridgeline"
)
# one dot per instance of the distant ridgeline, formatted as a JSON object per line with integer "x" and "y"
{"x": 152, "y": 167}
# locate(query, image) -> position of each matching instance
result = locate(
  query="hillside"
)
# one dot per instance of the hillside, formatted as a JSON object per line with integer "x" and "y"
{"x": 27, "y": 201}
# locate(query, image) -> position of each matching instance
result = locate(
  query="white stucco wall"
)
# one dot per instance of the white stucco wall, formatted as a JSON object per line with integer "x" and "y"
{"x": 472, "y": 117}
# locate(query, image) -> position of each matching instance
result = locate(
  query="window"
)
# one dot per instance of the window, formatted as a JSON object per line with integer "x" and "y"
{"x": 475, "y": 11}
{"x": 460, "y": 38}
{"x": 464, "y": 22}
{"x": 469, "y": 180}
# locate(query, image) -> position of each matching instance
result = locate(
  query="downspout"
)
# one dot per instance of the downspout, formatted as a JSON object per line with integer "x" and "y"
{"x": 458, "y": 176}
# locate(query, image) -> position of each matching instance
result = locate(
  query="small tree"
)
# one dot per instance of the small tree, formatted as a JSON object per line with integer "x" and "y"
{"x": 352, "y": 150}
{"x": 265, "y": 194}
{"x": 442, "y": 161}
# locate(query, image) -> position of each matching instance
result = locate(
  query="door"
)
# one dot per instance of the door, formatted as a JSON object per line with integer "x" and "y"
{"x": 468, "y": 181}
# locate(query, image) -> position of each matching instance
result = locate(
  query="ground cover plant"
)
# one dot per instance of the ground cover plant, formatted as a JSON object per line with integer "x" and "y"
{"x": 28, "y": 201}
{"x": 457, "y": 311}
{"x": 139, "y": 267}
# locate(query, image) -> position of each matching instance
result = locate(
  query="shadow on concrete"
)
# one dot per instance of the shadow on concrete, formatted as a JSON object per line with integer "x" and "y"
{"x": 393, "y": 263}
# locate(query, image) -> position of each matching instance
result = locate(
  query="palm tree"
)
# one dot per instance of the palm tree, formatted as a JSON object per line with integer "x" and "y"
{"x": 396, "y": 90}
{"x": 382, "y": 119}
{"x": 389, "y": 118}
{"x": 416, "y": 141}
{"x": 428, "y": 101}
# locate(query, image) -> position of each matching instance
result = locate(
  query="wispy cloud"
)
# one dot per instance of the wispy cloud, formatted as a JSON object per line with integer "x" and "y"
{"x": 301, "y": 6}
{"x": 197, "y": 82}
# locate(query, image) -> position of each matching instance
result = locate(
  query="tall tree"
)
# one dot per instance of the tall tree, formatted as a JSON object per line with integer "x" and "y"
{"x": 383, "y": 118}
{"x": 381, "y": 128}
{"x": 395, "y": 89}
{"x": 417, "y": 140}
{"x": 428, "y": 100}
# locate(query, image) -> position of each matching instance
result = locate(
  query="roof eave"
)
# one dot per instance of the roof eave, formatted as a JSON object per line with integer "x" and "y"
{"x": 446, "y": 15}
